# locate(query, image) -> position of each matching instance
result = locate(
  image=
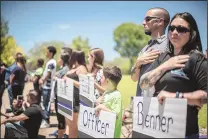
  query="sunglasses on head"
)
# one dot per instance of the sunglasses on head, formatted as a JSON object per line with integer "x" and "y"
{"x": 179, "y": 29}
{"x": 148, "y": 18}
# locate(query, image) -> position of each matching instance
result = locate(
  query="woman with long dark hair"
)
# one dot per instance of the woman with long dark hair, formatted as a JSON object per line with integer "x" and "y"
{"x": 17, "y": 78}
{"x": 181, "y": 72}
{"x": 77, "y": 65}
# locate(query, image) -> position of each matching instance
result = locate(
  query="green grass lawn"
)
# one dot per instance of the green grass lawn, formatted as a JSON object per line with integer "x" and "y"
{"x": 128, "y": 88}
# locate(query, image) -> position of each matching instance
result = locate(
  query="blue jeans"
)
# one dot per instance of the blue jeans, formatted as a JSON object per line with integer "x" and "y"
{"x": 46, "y": 93}
{"x": 13, "y": 130}
{"x": 9, "y": 88}
{"x": 194, "y": 136}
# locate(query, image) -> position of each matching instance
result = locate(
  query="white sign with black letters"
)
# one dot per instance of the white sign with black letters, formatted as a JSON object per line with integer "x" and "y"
{"x": 91, "y": 126}
{"x": 86, "y": 90}
{"x": 65, "y": 90}
{"x": 152, "y": 119}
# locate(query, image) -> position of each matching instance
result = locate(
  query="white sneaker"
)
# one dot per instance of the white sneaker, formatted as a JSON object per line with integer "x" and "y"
{"x": 44, "y": 124}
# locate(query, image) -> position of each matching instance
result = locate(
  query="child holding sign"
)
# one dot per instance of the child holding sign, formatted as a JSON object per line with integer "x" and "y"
{"x": 111, "y": 100}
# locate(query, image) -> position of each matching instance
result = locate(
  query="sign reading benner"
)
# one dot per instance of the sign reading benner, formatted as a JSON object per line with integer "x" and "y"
{"x": 152, "y": 119}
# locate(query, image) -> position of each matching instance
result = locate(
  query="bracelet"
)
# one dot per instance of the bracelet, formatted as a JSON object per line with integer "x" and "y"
{"x": 177, "y": 94}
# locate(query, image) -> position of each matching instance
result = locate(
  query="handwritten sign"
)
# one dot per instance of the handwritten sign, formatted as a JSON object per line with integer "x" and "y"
{"x": 91, "y": 126}
{"x": 65, "y": 90}
{"x": 152, "y": 119}
{"x": 86, "y": 90}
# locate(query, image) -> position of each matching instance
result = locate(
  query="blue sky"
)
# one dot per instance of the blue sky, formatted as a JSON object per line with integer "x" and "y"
{"x": 33, "y": 22}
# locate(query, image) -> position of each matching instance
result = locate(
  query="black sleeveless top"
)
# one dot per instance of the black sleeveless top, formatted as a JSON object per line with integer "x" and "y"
{"x": 75, "y": 77}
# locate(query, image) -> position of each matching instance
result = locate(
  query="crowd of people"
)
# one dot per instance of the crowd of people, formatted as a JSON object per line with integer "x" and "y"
{"x": 171, "y": 66}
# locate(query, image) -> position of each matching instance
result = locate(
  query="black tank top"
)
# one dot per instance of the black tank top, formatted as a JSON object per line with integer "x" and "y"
{"x": 75, "y": 77}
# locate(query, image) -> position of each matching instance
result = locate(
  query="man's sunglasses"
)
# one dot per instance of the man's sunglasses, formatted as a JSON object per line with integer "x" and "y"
{"x": 148, "y": 18}
{"x": 179, "y": 29}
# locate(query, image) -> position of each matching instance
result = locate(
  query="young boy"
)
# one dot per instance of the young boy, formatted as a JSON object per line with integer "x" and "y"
{"x": 111, "y": 100}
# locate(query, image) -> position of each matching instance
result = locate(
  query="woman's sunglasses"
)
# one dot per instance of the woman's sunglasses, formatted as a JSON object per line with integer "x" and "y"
{"x": 179, "y": 29}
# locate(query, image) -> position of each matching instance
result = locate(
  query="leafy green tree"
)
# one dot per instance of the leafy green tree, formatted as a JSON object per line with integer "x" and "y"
{"x": 121, "y": 62}
{"x": 8, "y": 47}
{"x": 130, "y": 39}
{"x": 81, "y": 45}
{"x": 4, "y": 27}
{"x": 9, "y": 51}
{"x": 39, "y": 51}
{"x": 4, "y": 33}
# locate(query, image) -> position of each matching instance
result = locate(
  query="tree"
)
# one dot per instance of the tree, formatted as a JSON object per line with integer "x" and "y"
{"x": 4, "y": 33}
{"x": 9, "y": 51}
{"x": 121, "y": 62}
{"x": 81, "y": 45}
{"x": 4, "y": 27}
{"x": 8, "y": 47}
{"x": 39, "y": 51}
{"x": 130, "y": 39}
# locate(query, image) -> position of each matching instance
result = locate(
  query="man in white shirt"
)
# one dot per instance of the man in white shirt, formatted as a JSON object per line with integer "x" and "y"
{"x": 46, "y": 83}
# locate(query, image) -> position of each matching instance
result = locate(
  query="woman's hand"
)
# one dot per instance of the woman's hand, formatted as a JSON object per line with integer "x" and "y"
{"x": 176, "y": 62}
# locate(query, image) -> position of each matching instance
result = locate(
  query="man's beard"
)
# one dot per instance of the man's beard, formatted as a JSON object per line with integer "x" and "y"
{"x": 147, "y": 32}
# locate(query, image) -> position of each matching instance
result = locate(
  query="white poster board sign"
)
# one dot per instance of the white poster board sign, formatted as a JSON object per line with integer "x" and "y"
{"x": 65, "y": 89}
{"x": 152, "y": 119}
{"x": 86, "y": 90}
{"x": 91, "y": 126}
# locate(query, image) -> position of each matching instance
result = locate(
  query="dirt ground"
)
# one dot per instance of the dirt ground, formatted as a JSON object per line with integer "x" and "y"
{"x": 44, "y": 133}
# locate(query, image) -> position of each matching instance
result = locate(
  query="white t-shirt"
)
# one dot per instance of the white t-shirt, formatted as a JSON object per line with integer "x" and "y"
{"x": 50, "y": 67}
